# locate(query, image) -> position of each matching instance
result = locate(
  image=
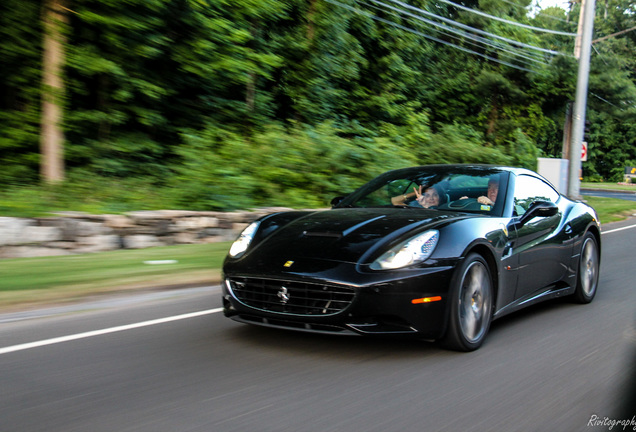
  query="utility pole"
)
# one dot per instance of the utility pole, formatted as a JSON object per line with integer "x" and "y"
{"x": 584, "y": 48}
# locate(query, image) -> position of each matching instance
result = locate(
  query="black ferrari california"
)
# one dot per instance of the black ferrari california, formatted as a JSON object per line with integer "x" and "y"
{"x": 436, "y": 252}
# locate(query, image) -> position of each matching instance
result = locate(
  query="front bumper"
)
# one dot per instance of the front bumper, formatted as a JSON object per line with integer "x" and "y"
{"x": 382, "y": 307}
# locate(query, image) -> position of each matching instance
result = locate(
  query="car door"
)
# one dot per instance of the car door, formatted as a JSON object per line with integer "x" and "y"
{"x": 542, "y": 251}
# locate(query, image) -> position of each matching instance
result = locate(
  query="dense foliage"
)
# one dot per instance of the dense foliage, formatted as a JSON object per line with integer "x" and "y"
{"x": 214, "y": 104}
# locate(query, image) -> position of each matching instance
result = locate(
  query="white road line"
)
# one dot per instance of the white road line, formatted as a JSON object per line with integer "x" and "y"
{"x": 618, "y": 229}
{"x": 89, "y": 334}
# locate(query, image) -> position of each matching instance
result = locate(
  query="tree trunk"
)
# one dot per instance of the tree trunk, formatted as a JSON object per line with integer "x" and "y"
{"x": 51, "y": 134}
{"x": 311, "y": 30}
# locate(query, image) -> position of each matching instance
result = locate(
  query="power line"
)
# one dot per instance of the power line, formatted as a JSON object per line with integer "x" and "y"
{"x": 613, "y": 34}
{"x": 474, "y": 30}
{"x": 605, "y": 100}
{"x": 445, "y": 30}
{"x": 482, "y": 40}
{"x": 496, "y": 18}
{"x": 476, "y": 41}
{"x": 427, "y": 36}
{"x": 550, "y": 17}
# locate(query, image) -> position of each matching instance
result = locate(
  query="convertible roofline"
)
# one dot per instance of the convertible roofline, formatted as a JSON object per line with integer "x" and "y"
{"x": 470, "y": 167}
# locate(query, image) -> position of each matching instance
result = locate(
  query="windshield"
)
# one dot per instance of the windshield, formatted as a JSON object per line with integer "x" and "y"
{"x": 473, "y": 189}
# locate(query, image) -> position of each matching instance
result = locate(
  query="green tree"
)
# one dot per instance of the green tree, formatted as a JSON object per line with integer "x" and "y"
{"x": 612, "y": 91}
{"x": 20, "y": 78}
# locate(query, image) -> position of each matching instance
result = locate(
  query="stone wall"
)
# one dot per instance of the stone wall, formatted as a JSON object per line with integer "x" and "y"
{"x": 73, "y": 233}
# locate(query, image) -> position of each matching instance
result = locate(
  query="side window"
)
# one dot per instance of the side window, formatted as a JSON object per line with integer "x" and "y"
{"x": 530, "y": 189}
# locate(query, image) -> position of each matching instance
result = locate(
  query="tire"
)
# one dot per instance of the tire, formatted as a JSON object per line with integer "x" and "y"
{"x": 587, "y": 271}
{"x": 471, "y": 305}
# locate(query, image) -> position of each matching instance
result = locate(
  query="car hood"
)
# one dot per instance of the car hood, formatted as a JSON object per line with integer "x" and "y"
{"x": 345, "y": 234}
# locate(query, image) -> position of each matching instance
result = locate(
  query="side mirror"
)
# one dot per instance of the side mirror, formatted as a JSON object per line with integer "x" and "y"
{"x": 539, "y": 209}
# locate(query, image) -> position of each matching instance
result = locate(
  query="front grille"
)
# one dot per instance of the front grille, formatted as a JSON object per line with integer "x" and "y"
{"x": 294, "y": 298}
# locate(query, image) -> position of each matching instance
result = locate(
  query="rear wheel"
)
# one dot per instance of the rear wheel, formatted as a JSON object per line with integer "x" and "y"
{"x": 587, "y": 278}
{"x": 471, "y": 305}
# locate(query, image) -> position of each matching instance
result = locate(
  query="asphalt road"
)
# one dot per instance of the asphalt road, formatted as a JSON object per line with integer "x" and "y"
{"x": 144, "y": 364}
{"x": 626, "y": 195}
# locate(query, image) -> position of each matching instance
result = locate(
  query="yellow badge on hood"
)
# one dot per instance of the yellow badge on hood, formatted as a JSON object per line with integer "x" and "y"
{"x": 288, "y": 264}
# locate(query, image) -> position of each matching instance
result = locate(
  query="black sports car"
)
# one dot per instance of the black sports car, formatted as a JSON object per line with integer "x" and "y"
{"x": 435, "y": 252}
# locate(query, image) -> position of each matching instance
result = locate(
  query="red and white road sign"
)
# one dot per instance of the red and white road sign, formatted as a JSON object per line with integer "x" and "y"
{"x": 584, "y": 152}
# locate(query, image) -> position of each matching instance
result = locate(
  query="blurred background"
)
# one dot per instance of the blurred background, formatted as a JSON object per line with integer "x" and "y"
{"x": 119, "y": 105}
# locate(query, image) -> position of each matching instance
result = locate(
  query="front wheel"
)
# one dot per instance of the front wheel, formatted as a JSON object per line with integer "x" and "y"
{"x": 587, "y": 278}
{"x": 471, "y": 305}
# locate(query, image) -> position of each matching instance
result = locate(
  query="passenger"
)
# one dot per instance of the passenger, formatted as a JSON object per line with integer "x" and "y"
{"x": 430, "y": 197}
{"x": 433, "y": 196}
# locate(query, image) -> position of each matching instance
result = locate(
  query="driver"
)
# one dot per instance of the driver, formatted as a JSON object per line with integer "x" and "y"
{"x": 491, "y": 194}
{"x": 493, "y": 190}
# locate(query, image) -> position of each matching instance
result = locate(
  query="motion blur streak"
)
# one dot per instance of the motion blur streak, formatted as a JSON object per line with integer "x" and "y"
{"x": 105, "y": 331}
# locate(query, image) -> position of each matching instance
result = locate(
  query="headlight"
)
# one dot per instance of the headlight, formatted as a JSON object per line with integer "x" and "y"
{"x": 414, "y": 250}
{"x": 240, "y": 245}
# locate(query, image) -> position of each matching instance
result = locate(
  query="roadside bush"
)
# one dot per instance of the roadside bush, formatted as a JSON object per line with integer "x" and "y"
{"x": 295, "y": 165}
{"x": 299, "y": 166}
{"x": 84, "y": 192}
{"x": 459, "y": 144}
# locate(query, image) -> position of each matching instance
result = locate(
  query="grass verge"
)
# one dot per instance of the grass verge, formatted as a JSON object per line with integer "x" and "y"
{"x": 609, "y": 186}
{"x": 611, "y": 209}
{"x": 35, "y": 281}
